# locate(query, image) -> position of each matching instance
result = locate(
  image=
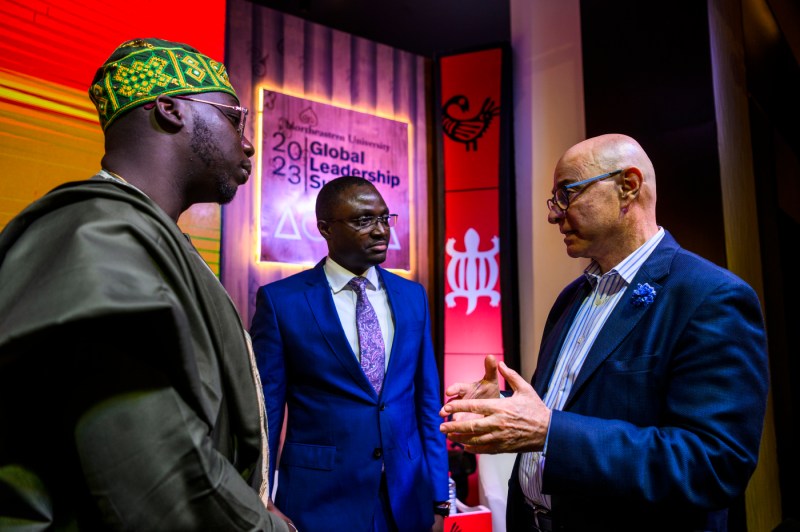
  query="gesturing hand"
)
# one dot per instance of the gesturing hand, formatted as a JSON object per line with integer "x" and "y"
{"x": 503, "y": 425}
{"x": 486, "y": 388}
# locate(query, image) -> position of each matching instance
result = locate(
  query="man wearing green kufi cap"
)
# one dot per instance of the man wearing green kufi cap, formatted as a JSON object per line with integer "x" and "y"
{"x": 128, "y": 394}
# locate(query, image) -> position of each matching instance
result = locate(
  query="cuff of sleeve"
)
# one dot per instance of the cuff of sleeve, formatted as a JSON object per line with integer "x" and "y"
{"x": 547, "y": 436}
{"x": 441, "y": 508}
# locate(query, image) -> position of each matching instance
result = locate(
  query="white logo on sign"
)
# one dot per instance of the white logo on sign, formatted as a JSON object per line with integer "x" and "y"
{"x": 394, "y": 242}
{"x": 309, "y": 223}
{"x": 288, "y": 229}
{"x": 472, "y": 273}
{"x": 288, "y": 233}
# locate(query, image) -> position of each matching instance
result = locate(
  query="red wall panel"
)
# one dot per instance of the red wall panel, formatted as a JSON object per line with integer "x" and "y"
{"x": 471, "y": 90}
{"x": 473, "y": 321}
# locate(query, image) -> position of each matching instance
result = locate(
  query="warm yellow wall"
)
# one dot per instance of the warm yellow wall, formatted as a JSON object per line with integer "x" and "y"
{"x": 46, "y": 138}
{"x": 49, "y": 135}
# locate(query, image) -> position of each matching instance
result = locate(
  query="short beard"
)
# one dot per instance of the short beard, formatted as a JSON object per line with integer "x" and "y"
{"x": 203, "y": 145}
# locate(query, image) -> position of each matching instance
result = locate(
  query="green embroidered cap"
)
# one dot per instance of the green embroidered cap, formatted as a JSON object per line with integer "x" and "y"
{"x": 142, "y": 69}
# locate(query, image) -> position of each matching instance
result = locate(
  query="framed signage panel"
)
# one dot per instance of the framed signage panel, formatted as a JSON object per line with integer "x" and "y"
{"x": 304, "y": 144}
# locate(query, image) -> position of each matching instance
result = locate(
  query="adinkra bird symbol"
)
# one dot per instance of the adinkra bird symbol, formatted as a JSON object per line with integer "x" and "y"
{"x": 468, "y": 129}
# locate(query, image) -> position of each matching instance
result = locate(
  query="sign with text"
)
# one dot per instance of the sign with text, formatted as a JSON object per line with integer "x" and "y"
{"x": 304, "y": 145}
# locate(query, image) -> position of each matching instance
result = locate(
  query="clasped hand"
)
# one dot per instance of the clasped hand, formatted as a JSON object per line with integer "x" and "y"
{"x": 486, "y": 423}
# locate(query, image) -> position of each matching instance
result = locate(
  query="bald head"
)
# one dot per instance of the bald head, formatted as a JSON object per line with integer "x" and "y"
{"x": 610, "y": 152}
{"x": 610, "y": 216}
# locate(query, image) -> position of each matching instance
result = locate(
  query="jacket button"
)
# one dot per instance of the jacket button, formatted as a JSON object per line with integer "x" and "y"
{"x": 383, "y": 407}
{"x": 377, "y": 453}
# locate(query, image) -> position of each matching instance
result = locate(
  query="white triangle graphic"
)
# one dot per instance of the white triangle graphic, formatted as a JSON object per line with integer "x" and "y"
{"x": 284, "y": 232}
{"x": 394, "y": 242}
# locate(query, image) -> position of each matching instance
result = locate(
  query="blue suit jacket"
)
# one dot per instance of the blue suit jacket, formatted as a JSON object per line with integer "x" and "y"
{"x": 662, "y": 427}
{"x": 339, "y": 432}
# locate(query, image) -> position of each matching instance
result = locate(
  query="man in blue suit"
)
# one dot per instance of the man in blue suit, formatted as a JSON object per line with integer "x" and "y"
{"x": 648, "y": 399}
{"x": 345, "y": 348}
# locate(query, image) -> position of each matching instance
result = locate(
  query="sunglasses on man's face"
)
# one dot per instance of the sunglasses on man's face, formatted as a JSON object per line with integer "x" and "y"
{"x": 237, "y": 121}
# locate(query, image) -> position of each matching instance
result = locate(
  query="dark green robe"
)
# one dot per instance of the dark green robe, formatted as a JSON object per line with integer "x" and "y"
{"x": 126, "y": 394}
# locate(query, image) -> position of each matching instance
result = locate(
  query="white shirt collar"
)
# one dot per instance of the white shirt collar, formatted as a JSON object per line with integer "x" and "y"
{"x": 629, "y": 267}
{"x": 338, "y": 276}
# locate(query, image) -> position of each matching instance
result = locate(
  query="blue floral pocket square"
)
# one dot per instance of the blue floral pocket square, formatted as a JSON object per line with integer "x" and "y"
{"x": 643, "y": 295}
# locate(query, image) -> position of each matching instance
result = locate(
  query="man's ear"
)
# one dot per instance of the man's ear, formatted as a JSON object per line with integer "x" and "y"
{"x": 631, "y": 183}
{"x": 169, "y": 113}
{"x": 324, "y": 229}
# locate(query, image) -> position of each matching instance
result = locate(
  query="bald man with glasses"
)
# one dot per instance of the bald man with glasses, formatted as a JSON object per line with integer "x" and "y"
{"x": 647, "y": 404}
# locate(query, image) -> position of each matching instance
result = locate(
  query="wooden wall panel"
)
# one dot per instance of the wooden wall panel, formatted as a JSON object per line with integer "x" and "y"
{"x": 384, "y": 77}
{"x": 341, "y": 68}
{"x": 266, "y": 48}
{"x": 317, "y": 64}
{"x": 363, "y": 81}
{"x": 293, "y": 55}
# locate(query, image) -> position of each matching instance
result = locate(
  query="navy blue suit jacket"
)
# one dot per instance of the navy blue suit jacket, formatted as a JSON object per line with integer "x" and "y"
{"x": 339, "y": 431}
{"x": 662, "y": 427}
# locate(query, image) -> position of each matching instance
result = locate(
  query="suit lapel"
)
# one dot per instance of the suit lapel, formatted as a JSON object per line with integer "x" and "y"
{"x": 397, "y": 301}
{"x": 626, "y": 315}
{"x": 551, "y": 347}
{"x": 320, "y": 300}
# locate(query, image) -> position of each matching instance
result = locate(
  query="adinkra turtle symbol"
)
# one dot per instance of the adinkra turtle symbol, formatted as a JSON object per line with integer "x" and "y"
{"x": 467, "y": 129}
{"x": 472, "y": 273}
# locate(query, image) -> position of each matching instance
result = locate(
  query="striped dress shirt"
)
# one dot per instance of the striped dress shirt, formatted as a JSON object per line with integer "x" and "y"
{"x": 607, "y": 290}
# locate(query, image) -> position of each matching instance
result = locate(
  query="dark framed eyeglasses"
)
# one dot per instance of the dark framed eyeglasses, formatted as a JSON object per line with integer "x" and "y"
{"x": 560, "y": 201}
{"x": 238, "y": 122}
{"x": 365, "y": 224}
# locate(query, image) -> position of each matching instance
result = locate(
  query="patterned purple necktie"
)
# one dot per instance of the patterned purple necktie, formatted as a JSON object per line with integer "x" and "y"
{"x": 370, "y": 339}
